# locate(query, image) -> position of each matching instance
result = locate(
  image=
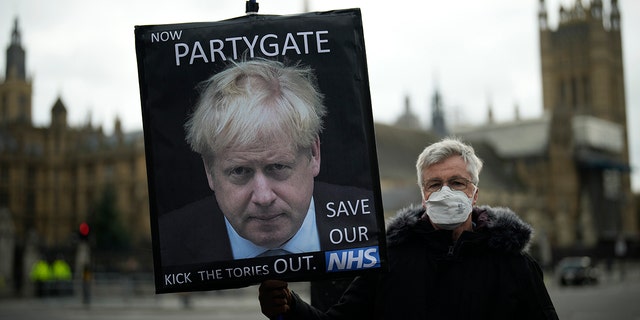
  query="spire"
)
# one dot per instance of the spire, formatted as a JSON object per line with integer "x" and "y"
{"x": 15, "y": 56}
{"x": 407, "y": 104}
{"x": 596, "y": 9}
{"x": 490, "y": 119}
{"x": 59, "y": 114}
{"x": 15, "y": 34}
{"x": 615, "y": 15}
{"x": 58, "y": 107}
{"x": 437, "y": 115}
{"x": 542, "y": 16}
{"x": 408, "y": 119}
{"x": 117, "y": 125}
{"x": 564, "y": 17}
{"x": 579, "y": 10}
{"x": 117, "y": 130}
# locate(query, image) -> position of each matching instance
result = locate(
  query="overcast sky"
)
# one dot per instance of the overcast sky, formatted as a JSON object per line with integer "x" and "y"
{"x": 476, "y": 52}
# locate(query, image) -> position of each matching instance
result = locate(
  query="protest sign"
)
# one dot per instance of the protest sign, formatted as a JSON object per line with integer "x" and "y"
{"x": 199, "y": 241}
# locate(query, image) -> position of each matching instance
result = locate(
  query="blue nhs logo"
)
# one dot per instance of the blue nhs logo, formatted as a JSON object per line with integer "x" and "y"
{"x": 352, "y": 259}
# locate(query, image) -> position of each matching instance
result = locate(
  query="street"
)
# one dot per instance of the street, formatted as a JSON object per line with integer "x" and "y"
{"x": 228, "y": 305}
{"x": 613, "y": 298}
{"x": 610, "y": 300}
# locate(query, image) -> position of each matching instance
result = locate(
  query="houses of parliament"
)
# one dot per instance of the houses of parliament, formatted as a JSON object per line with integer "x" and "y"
{"x": 566, "y": 173}
{"x": 52, "y": 178}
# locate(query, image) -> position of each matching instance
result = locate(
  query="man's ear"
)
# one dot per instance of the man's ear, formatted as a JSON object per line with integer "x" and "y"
{"x": 475, "y": 197}
{"x": 315, "y": 157}
{"x": 209, "y": 175}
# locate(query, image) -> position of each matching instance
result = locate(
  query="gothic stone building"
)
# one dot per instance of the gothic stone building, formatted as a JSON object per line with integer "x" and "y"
{"x": 575, "y": 157}
{"x": 51, "y": 178}
{"x": 583, "y": 85}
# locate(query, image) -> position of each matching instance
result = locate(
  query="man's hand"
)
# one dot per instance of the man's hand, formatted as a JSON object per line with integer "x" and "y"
{"x": 275, "y": 298}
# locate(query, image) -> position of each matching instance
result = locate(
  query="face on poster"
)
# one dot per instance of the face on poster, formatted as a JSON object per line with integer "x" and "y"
{"x": 260, "y": 150}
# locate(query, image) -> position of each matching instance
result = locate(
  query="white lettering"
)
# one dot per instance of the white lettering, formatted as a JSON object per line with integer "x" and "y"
{"x": 269, "y": 45}
{"x": 273, "y": 45}
{"x": 321, "y": 41}
{"x": 352, "y": 259}
{"x": 210, "y": 274}
{"x": 293, "y": 264}
{"x": 200, "y": 53}
{"x": 305, "y": 36}
{"x": 165, "y": 36}
{"x": 180, "y": 53}
{"x": 234, "y": 48}
{"x": 369, "y": 255}
{"x": 348, "y": 208}
{"x": 177, "y": 278}
{"x": 247, "y": 271}
{"x": 350, "y": 235}
{"x": 290, "y": 43}
{"x": 251, "y": 45}
{"x": 340, "y": 262}
{"x": 215, "y": 46}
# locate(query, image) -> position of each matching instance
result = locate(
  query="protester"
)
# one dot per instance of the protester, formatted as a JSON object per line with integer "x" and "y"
{"x": 447, "y": 258}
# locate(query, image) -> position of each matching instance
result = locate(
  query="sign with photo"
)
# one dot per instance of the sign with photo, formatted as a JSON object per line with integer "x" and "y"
{"x": 260, "y": 150}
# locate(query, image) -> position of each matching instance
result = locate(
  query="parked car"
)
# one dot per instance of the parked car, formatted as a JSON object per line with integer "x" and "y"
{"x": 577, "y": 271}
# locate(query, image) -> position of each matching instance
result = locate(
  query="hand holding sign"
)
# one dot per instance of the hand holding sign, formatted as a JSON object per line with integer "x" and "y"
{"x": 274, "y": 297}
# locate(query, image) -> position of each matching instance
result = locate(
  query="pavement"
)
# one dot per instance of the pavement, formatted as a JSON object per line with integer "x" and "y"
{"x": 114, "y": 303}
{"x": 126, "y": 301}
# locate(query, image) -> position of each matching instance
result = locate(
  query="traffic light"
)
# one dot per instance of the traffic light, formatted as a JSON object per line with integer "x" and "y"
{"x": 83, "y": 231}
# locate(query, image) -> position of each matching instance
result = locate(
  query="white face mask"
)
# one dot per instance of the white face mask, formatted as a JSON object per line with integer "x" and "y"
{"x": 447, "y": 208}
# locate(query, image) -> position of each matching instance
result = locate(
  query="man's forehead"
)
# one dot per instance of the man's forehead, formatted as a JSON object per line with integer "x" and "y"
{"x": 260, "y": 143}
{"x": 452, "y": 167}
{"x": 446, "y": 177}
{"x": 262, "y": 153}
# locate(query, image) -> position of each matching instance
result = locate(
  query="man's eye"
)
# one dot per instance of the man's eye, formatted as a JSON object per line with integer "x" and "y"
{"x": 239, "y": 171}
{"x": 277, "y": 168}
{"x": 434, "y": 185}
{"x": 279, "y": 171}
{"x": 457, "y": 183}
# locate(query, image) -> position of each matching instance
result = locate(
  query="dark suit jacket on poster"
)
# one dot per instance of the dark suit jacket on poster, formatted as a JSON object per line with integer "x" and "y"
{"x": 196, "y": 233}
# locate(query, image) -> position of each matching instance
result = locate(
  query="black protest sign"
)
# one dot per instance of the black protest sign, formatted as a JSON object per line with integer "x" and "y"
{"x": 207, "y": 237}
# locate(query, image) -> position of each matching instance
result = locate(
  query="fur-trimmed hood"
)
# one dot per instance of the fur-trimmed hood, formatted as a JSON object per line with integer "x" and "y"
{"x": 505, "y": 231}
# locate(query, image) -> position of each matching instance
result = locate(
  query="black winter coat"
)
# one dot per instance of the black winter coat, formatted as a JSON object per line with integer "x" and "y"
{"x": 485, "y": 274}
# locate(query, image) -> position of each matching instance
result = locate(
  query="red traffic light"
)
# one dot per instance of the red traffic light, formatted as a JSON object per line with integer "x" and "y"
{"x": 84, "y": 229}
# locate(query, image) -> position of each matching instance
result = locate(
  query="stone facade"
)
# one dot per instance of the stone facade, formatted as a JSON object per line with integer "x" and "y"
{"x": 52, "y": 177}
{"x": 588, "y": 178}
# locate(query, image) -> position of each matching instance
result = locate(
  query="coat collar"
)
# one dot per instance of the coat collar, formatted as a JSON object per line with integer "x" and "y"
{"x": 505, "y": 231}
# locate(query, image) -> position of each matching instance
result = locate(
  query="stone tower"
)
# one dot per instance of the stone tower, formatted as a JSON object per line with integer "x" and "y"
{"x": 15, "y": 91}
{"x": 439, "y": 126}
{"x": 584, "y": 93}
